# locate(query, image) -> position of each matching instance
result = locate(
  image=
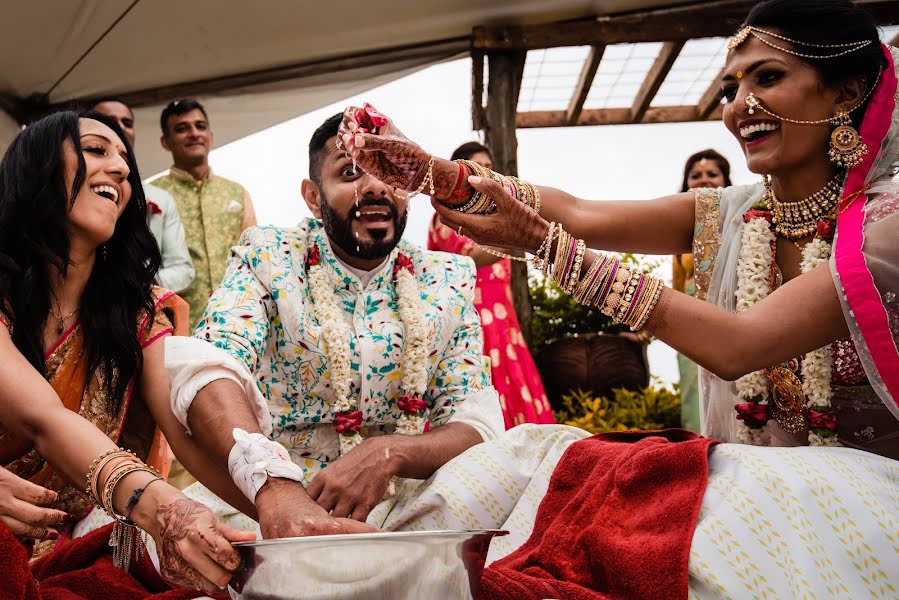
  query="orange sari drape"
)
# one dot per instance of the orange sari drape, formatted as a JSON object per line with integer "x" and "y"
{"x": 130, "y": 426}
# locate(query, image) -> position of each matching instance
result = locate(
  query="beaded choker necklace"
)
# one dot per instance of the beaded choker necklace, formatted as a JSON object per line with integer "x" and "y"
{"x": 796, "y": 220}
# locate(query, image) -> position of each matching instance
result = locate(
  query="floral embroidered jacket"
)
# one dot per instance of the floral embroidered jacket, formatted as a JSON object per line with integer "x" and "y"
{"x": 261, "y": 316}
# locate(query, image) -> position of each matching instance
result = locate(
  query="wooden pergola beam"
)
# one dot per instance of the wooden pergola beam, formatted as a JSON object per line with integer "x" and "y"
{"x": 694, "y": 20}
{"x": 585, "y": 82}
{"x": 711, "y": 98}
{"x": 478, "y": 117}
{"x": 678, "y": 23}
{"x": 613, "y": 116}
{"x": 654, "y": 78}
{"x": 505, "y": 72}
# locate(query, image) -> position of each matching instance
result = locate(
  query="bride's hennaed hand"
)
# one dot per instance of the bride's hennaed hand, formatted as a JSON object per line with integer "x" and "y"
{"x": 397, "y": 160}
{"x": 514, "y": 224}
{"x": 381, "y": 150}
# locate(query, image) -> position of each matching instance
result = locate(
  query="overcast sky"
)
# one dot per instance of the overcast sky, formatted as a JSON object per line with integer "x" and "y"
{"x": 432, "y": 107}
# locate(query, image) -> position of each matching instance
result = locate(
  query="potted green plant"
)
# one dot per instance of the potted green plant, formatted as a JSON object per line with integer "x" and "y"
{"x": 577, "y": 347}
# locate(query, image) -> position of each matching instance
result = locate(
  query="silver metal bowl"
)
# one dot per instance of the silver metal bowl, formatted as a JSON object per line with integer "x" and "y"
{"x": 391, "y": 565}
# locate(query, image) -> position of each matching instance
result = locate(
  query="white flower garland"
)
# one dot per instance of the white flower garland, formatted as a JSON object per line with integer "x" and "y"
{"x": 414, "y": 380}
{"x": 753, "y": 274}
{"x": 328, "y": 312}
{"x": 817, "y": 365}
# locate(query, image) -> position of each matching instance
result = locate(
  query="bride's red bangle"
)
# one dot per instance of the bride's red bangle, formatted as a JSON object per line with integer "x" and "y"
{"x": 460, "y": 191}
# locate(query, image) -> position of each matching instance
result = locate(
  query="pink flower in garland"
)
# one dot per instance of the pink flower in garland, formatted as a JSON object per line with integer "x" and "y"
{"x": 827, "y": 227}
{"x": 403, "y": 262}
{"x": 757, "y": 213}
{"x": 822, "y": 420}
{"x": 754, "y": 414}
{"x": 314, "y": 257}
{"x": 411, "y": 404}
{"x": 348, "y": 422}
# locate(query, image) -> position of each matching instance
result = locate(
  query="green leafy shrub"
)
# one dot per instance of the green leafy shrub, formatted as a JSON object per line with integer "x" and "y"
{"x": 648, "y": 409}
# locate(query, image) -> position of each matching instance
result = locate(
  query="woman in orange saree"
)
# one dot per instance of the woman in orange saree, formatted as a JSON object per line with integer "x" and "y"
{"x": 81, "y": 368}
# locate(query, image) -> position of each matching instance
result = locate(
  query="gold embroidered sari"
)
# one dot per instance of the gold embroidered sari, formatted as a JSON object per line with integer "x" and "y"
{"x": 131, "y": 426}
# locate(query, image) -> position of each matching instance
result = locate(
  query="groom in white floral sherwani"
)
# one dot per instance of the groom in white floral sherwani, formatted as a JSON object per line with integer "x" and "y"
{"x": 334, "y": 339}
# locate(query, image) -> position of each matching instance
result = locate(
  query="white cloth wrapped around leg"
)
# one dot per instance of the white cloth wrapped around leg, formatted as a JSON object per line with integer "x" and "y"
{"x": 254, "y": 457}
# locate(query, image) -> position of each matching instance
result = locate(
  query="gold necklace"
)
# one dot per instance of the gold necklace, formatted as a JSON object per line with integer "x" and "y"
{"x": 796, "y": 220}
{"x": 61, "y": 320}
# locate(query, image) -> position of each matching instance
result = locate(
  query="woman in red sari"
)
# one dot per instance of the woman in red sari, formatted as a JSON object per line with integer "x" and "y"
{"x": 515, "y": 376}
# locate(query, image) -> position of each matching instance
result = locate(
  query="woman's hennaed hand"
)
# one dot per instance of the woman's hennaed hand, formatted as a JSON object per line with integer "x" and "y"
{"x": 513, "y": 225}
{"x": 23, "y": 508}
{"x": 194, "y": 547}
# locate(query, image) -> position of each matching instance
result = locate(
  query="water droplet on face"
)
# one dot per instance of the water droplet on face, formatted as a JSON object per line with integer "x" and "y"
{"x": 355, "y": 184}
{"x": 357, "y": 248}
{"x": 358, "y": 213}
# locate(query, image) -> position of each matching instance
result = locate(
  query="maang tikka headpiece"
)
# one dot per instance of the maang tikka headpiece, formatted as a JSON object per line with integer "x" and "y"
{"x": 762, "y": 35}
{"x": 846, "y": 148}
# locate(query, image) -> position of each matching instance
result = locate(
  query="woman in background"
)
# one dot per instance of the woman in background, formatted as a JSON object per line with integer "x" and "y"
{"x": 705, "y": 169}
{"x": 515, "y": 376}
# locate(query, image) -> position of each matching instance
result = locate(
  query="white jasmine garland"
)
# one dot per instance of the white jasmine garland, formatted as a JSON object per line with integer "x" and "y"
{"x": 753, "y": 280}
{"x": 336, "y": 335}
{"x": 817, "y": 365}
{"x": 327, "y": 311}
{"x": 414, "y": 379}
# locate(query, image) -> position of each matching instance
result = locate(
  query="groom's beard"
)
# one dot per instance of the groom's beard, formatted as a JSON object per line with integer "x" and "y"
{"x": 340, "y": 229}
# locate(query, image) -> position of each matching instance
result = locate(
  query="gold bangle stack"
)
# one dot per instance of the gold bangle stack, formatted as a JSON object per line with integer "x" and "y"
{"x": 127, "y": 539}
{"x": 619, "y": 291}
{"x": 480, "y": 203}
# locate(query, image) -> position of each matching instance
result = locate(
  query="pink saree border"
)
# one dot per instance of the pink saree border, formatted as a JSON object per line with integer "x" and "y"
{"x": 857, "y": 281}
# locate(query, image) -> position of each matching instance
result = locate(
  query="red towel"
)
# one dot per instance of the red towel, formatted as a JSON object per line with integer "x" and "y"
{"x": 80, "y": 569}
{"x": 617, "y": 522}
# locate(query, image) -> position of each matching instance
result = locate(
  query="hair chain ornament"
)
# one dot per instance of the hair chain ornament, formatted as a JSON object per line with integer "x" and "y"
{"x": 748, "y": 30}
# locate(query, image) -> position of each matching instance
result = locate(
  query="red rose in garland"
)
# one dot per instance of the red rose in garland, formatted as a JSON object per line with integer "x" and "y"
{"x": 348, "y": 422}
{"x": 822, "y": 420}
{"x": 403, "y": 262}
{"x": 827, "y": 228}
{"x": 754, "y": 414}
{"x": 314, "y": 257}
{"x": 411, "y": 404}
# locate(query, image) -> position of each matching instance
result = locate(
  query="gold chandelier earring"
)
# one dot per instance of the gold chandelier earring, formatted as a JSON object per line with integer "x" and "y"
{"x": 846, "y": 146}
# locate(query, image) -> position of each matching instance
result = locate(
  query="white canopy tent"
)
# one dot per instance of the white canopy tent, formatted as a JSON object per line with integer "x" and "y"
{"x": 252, "y": 64}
